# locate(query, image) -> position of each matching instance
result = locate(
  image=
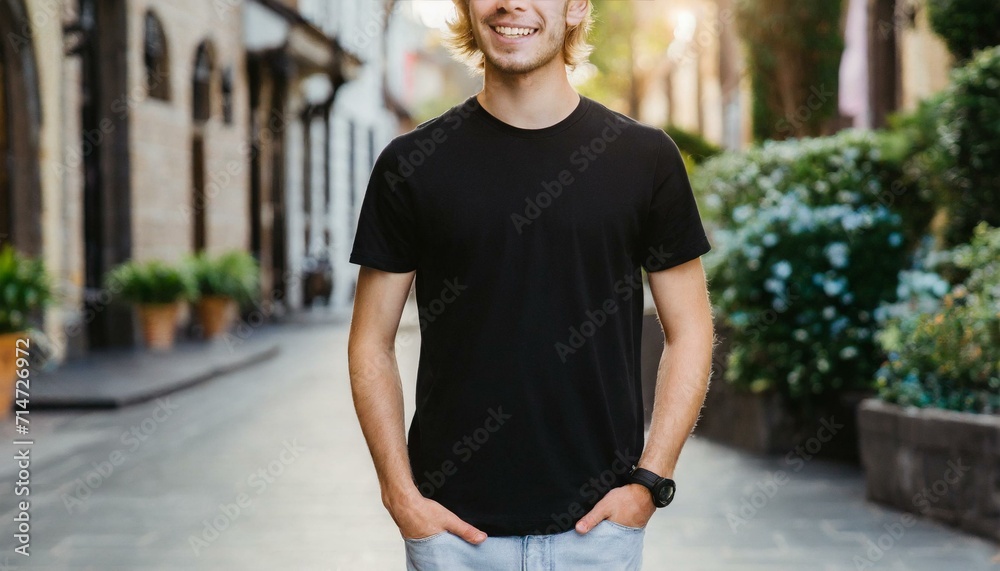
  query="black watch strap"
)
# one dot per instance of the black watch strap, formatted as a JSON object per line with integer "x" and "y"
{"x": 644, "y": 477}
{"x": 662, "y": 489}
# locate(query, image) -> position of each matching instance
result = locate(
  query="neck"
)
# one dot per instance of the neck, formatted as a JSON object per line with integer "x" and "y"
{"x": 532, "y": 100}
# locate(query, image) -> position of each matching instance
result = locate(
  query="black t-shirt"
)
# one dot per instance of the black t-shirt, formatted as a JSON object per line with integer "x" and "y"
{"x": 528, "y": 246}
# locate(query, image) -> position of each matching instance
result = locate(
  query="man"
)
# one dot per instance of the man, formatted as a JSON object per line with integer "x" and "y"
{"x": 526, "y": 215}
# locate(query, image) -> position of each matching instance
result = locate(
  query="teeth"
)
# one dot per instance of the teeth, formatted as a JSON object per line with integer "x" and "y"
{"x": 513, "y": 31}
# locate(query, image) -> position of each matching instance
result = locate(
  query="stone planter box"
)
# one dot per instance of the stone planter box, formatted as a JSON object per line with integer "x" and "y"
{"x": 938, "y": 463}
{"x": 759, "y": 423}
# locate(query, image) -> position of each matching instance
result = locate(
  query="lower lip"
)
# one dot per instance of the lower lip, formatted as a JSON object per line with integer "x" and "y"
{"x": 513, "y": 39}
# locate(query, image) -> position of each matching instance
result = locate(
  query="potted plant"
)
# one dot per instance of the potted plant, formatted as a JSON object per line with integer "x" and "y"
{"x": 931, "y": 442}
{"x": 24, "y": 288}
{"x": 157, "y": 289}
{"x": 224, "y": 283}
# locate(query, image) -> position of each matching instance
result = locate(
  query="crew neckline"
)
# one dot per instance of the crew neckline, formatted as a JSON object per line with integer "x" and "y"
{"x": 581, "y": 109}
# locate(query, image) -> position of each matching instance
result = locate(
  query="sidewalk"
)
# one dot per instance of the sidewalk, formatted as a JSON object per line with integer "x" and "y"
{"x": 168, "y": 502}
{"x": 110, "y": 379}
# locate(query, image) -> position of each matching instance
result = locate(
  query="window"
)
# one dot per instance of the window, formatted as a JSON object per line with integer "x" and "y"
{"x": 157, "y": 59}
{"x": 227, "y": 95}
{"x": 201, "y": 100}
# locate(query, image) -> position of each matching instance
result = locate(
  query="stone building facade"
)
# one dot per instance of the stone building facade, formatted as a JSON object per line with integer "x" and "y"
{"x": 131, "y": 129}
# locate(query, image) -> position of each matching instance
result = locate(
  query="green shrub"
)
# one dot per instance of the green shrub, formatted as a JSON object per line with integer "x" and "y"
{"x": 233, "y": 274}
{"x": 969, "y": 140}
{"x": 24, "y": 288}
{"x": 966, "y": 25}
{"x": 153, "y": 281}
{"x": 852, "y": 168}
{"x": 949, "y": 357}
{"x": 798, "y": 285}
{"x": 695, "y": 148}
{"x": 914, "y": 139}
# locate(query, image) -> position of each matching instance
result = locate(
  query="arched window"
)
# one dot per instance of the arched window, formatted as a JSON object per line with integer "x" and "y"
{"x": 227, "y": 95}
{"x": 202, "y": 83}
{"x": 157, "y": 59}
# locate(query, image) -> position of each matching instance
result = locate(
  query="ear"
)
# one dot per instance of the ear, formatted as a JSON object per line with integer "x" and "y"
{"x": 576, "y": 11}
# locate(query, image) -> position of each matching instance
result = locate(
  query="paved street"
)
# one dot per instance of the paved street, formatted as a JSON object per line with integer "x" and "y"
{"x": 278, "y": 445}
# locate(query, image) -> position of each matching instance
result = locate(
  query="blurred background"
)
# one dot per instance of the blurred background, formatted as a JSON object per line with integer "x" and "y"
{"x": 179, "y": 186}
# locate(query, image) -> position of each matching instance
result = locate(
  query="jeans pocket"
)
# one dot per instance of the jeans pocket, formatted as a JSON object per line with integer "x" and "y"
{"x": 626, "y": 528}
{"x": 431, "y": 537}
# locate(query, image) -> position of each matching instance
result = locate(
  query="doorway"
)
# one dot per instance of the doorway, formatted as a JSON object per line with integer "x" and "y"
{"x": 106, "y": 189}
{"x": 20, "y": 115}
{"x": 5, "y": 206}
{"x": 201, "y": 112}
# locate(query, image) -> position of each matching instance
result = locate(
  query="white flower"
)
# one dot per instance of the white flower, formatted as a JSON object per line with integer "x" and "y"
{"x": 769, "y": 239}
{"x": 881, "y": 314}
{"x": 782, "y": 269}
{"x": 837, "y": 253}
{"x": 834, "y": 288}
{"x": 800, "y": 335}
{"x": 829, "y": 312}
{"x": 742, "y": 213}
{"x": 848, "y": 352}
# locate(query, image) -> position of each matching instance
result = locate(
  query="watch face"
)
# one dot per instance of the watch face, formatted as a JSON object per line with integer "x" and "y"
{"x": 665, "y": 493}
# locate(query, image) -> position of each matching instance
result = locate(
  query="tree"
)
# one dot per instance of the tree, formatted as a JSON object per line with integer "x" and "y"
{"x": 793, "y": 54}
{"x": 966, "y": 25}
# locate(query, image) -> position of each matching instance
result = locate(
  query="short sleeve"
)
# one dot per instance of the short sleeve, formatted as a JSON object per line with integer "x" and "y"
{"x": 386, "y": 235}
{"x": 673, "y": 232}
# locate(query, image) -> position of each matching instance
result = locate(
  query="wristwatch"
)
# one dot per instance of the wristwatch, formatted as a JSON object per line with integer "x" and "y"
{"x": 662, "y": 488}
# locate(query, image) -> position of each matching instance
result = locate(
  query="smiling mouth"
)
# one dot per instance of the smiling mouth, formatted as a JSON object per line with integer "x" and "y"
{"x": 509, "y": 32}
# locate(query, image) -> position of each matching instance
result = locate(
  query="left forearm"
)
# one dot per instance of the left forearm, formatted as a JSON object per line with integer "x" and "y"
{"x": 681, "y": 384}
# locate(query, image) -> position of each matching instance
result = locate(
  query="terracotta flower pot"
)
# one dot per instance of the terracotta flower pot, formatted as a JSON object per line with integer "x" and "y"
{"x": 159, "y": 324}
{"x": 215, "y": 313}
{"x": 8, "y": 369}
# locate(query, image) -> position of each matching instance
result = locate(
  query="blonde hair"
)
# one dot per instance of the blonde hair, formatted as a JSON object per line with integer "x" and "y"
{"x": 464, "y": 48}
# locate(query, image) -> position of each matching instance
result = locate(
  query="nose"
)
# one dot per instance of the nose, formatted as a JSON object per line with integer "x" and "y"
{"x": 512, "y": 5}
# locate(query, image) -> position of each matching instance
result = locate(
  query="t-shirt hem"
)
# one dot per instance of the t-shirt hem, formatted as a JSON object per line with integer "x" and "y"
{"x": 513, "y": 525}
{"x": 380, "y": 263}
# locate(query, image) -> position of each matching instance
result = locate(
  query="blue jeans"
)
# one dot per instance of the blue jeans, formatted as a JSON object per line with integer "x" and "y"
{"x": 608, "y": 547}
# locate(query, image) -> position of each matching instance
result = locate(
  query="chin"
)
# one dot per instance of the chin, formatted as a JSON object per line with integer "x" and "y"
{"x": 519, "y": 65}
{"x": 514, "y": 67}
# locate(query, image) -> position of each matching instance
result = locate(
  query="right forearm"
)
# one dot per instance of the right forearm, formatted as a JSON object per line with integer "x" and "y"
{"x": 378, "y": 399}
